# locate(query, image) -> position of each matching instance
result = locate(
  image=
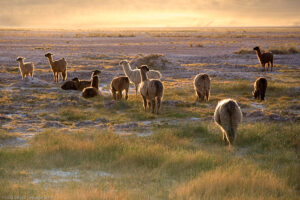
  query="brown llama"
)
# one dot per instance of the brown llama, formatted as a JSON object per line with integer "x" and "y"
{"x": 260, "y": 87}
{"x": 119, "y": 84}
{"x": 264, "y": 58}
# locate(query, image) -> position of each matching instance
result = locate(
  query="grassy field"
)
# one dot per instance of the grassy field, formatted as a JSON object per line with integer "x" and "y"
{"x": 186, "y": 160}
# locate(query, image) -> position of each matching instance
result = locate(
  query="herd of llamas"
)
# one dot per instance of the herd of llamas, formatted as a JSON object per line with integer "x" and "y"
{"x": 227, "y": 114}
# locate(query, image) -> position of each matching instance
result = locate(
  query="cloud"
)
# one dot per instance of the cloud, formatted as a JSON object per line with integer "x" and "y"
{"x": 99, "y": 13}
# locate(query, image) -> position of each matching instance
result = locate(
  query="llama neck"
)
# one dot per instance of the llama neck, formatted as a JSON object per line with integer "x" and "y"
{"x": 21, "y": 64}
{"x": 127, "y": 69}
{"x": 143, "y": 75}
{"x": 50, "y": 60}
{"x": 258, "y": 53}
{"x": 95, "y": 83}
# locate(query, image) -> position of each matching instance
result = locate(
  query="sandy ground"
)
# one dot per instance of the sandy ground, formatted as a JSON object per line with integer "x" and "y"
{"x": 84, "y": 54}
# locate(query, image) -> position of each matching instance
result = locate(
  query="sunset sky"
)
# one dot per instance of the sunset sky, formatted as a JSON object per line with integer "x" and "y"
{"x": 76, "y": 14}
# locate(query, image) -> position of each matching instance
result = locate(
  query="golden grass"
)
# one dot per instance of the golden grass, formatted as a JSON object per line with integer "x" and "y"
{"x": 275, "y": 50}
{"x": 176, "y": 162}
{"x": 238, "y": 182}
{"x": 97, "y": 34}
{"x": 92, "y": 193}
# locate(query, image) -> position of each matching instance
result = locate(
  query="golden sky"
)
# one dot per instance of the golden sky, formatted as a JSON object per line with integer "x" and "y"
{"x": 78, "y": 14}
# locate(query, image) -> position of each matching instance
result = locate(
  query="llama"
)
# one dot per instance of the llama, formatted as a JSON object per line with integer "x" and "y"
{"x": 202, "y": 87}
{"x": 71, "y": 85}
{"x": 150, "y": 89}
{"x": 264, "y": 58}
{"x": 57, "y": 66}
{"x": 26, "y": 69}
{"x": 86, "y": 83}
{"x": 260, "y": 87}
{"x": 119, "y": 84}
{"x": 227, "y": 116}
{"x": 93, "y": 90}
{"x": 134, "y": 74}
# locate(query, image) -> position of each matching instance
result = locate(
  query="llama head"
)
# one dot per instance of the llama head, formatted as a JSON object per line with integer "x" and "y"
{"x": 124, "y": 62}
{"x": 144, "y": 68}
{"x": 256, "y": 48}
{"x": 48, "y": 55}
{"x": 20, "y": 59}
{"x": 96, "y": 72}
{"x": 75, "y": 79}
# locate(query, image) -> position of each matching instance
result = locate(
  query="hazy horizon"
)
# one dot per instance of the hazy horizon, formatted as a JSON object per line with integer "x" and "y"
{"x": 95, "y": 14}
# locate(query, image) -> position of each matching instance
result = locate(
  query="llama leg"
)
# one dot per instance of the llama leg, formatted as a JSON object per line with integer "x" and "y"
{"x": 126, "y": 95}
{"x": 136, "y": 90}
{"x": 114, "y": 94}
{"x": 145, "y": 103}
{"x": 271, "y": 65}
{"x": 64, "y": 75}
{"x": 149, "y": 105}
{"x": 262, "y": 96}
{"x": 158, "y": 104}
{"x": 264, "y": 69}
{"x": 224, "y": 137}
{"x": 199, "y": 96}
{"x": 207, "y": 96}
{"x": 153, "y": 105}
{"x": 57, "y": 77}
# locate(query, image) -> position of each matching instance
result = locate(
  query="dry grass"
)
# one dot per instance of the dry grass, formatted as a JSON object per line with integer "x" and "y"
{"x": 181, "y": 162}
{"x": 238, "y": 182}
{"x": 96, "y": 34}
{"x": 284, "y": 50}
{"x": 245, "y": 51}
{"x": 275, "y": 50}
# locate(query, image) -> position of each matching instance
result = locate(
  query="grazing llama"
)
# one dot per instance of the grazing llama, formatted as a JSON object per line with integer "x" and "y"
{"x": 260, "y": 87}
{"x": 202, "y": 87}
{"x": 227, "y": 116}
{"x": 117, "y": 86}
